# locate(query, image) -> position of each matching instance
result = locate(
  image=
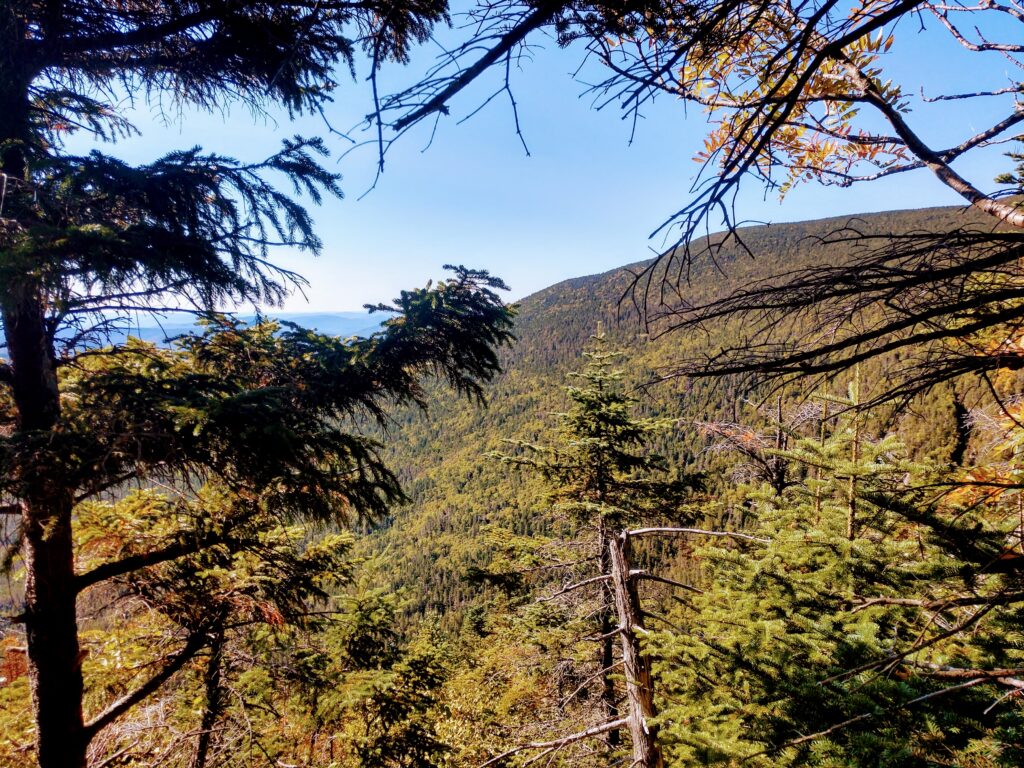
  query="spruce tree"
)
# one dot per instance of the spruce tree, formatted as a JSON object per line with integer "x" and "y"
{"x": 604, "y": 478}
{"x": 260, "y": 410}
{"x": 837, "y": 644}
{"x": 81, "y": 236}
{"x": 280, "y": 644}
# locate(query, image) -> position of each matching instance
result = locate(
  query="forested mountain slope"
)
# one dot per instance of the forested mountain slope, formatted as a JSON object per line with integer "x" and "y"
{"x": 465, "y": 506}
{"x": 469, "y": 626}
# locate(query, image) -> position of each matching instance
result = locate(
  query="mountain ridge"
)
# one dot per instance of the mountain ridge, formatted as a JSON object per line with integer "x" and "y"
{"x": 460, "y": 499}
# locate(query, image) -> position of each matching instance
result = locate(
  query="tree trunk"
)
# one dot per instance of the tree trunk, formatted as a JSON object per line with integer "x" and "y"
{"x": 637, "y": 667}
{"x": 214, "y": 702}
{"x": 55, "y": 674}
{"x": 851, "y": 490}
{"x": 14, "y": 99}
{"x": 46, "y": 499}
{"x": 611, "y": 708}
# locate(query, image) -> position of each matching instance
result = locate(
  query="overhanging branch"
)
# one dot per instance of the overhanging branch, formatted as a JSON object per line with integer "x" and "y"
{"x": 133, "y": 563}
{"x": 438, "y": 103}
{"x": 1009, "y": 214}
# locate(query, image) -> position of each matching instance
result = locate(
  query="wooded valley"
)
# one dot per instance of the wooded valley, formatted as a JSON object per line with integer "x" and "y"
{"x": 795, "y": 568}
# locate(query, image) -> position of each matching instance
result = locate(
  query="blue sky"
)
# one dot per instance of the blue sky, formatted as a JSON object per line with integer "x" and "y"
{"x": 584, "y": 201}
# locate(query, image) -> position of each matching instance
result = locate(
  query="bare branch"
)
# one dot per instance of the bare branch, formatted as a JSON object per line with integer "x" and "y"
{"x": 192, "y": 646}
{"x": 540, "y": 16}
{"x": 582, "y": 686}
{"x": 972, "y": 95}
{"x": 1004, "y": 676}
{"x": 572, "y": 588}
{"x": 984, "y": 45}
{"x": 944, "y": 603}
{"x": 636, "y": 574}
{"x": 932, "y": 160}
{"x": 555, "y": 744}
{"x": 893, "y": 660}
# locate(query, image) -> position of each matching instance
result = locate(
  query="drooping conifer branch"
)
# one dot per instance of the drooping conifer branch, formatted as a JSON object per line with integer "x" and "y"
{"x": 661, "y": 531}
{"x": 171, "y": 666}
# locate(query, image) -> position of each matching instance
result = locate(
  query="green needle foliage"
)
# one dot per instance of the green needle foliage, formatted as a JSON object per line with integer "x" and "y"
{"x": 601, "y": 470}
{"x": 85, "y": 240}
{"x": 602, "y": 478}
{"x": 825, "y": 649}
{"x": 262, "y": 642}
{"x": 263, "y": 413}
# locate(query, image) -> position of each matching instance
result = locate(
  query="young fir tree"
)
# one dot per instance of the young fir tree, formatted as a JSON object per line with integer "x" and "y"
{"x": 840, "y": 640}
{"x": 605, "y": 479}
{"x": 202, "y": 614}
{"x": 354, "y": 694}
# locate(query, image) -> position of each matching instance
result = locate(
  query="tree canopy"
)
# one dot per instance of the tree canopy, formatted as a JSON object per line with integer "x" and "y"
{"x": 233, "y": 433}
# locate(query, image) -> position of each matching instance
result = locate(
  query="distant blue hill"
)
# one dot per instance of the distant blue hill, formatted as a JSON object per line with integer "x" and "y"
{"x": 155, "y": 330}
{"x": 330, "y": 323}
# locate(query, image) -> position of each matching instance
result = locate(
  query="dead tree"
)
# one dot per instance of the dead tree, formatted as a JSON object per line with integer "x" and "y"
{"x": 636, "y": 665}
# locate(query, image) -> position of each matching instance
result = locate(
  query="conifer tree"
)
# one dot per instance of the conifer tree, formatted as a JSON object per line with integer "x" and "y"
{"x": 201, "y": 614}
{"x": 604, "y": 478}
{"x": 257, "y": 409}
{"x": 295, "y": 658}
{"x": 81, "y": 236}
{"x": 818, "y": 647}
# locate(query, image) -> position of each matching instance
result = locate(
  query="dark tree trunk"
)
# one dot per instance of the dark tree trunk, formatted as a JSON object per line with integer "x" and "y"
{"x": 214, "y": 699}
{"x": 637, "y": 667}
{"x": 55, "y": 673}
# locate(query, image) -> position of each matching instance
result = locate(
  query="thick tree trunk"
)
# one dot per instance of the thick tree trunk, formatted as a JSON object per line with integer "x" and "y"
{"x": 55, "y": 673}
{"x": 46, "y": 499}
{"x": 607, "y": 660}
{"x": 14, "y": 102}
{"x": 637, "y": 667}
